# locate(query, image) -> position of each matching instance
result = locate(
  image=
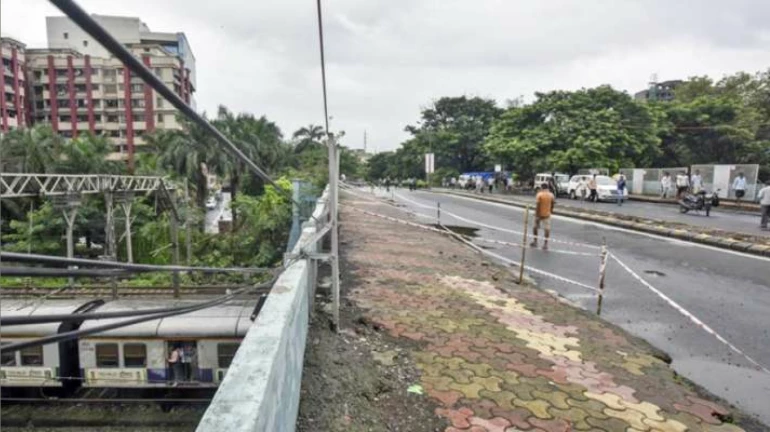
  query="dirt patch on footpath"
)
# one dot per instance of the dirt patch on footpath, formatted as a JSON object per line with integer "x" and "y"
{"x": 359, "y": 379}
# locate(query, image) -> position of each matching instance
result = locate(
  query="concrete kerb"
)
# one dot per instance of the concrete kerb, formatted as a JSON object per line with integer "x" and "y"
{"x": 261, "y": 389}
{"x": 679, "y": 234}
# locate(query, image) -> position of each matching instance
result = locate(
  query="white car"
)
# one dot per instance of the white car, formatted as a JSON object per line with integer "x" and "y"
{"x": 561, "y": 181}
{"x": 606, "y": 187}
{"x": 211, "y": 203}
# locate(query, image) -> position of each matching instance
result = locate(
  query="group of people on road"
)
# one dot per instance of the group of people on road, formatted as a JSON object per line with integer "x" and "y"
{"x": 694, "y": 184}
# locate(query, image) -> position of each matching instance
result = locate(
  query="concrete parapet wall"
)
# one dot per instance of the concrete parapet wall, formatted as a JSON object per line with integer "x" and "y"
{"x": 260, "y": 391}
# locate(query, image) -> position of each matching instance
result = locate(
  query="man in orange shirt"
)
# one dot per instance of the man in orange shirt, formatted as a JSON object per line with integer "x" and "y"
{"x": 543, "y": 208}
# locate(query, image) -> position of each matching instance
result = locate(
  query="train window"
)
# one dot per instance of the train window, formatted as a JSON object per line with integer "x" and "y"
{"x": 8, "y": 358}
{"x": 225, "y": 354}
{"x": 107, "y": 355}
{"x": 134, "y": 355}
{"x": 32, "y": 356}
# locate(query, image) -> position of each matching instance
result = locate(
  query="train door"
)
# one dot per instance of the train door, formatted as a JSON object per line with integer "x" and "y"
{"x": 186, "y": 369}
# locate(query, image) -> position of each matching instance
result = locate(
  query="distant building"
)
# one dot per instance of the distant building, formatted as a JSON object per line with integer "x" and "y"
{"x": 361, "y": 155}
{"x": 75, "y": 85}
{"x": 659, "y": 91}
{"x": 14, "y": 107}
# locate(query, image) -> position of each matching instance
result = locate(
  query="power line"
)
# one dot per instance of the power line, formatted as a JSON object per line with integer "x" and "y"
{"x": 130, "y": 267}
{"x": 323, "y": 64}
{"x": 90, "y": 26}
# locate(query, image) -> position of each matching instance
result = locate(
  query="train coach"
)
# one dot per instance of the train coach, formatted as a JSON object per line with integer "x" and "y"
{"x": 43, "y": 365}
{"x": 204, "y": 343}
{"x": 141, "y": 355}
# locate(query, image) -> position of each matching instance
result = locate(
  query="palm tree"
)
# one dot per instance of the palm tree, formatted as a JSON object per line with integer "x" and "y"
{"x": 190, "y": 153}
{"x": 87, "y": 154}
{"x": 30, "y": 150}
{"x": 308, "y": 136}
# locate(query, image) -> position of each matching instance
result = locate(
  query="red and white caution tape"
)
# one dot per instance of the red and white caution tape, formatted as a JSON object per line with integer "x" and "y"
{"x": 689, "y": 315}
{"x": 476, "y": 247}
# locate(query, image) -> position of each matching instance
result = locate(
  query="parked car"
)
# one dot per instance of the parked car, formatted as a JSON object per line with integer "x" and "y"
{"x": 606, "y": 187}
{"x": 211, "y": 203}
{"x": 562, "y": 181}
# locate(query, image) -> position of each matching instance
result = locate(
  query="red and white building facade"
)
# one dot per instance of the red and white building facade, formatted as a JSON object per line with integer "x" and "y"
{"x": 85, "y": 89}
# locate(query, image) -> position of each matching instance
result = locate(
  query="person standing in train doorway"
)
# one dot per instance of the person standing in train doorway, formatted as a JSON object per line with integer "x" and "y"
{"x": 187, "y": 355}
{"x": 175, "y": 365}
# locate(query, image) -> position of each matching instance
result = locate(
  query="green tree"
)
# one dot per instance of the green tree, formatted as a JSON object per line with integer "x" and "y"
{"x": 308, "y": 136}
{"x": 30, "y": 150}
{"x": 454, "y": 128}
{"x": 566, "y": 131}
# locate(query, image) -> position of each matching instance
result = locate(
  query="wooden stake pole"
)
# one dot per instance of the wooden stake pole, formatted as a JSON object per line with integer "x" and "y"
{"x": 602, "y": 272}
{"x": 524, "y": 245}
{"x": 438, "y": 213}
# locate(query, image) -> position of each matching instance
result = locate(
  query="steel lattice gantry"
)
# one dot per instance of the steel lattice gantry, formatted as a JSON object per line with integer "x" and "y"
{"x": 31, "y": 185}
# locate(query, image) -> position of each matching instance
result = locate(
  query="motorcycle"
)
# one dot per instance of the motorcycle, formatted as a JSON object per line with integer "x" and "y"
{"x": 701, "y": 201}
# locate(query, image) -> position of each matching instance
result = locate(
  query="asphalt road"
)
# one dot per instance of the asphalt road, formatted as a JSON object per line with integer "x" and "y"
{"x": 742, "y": 222}
{"x": 728, "y": 291}
{"x": 220, "y": 212}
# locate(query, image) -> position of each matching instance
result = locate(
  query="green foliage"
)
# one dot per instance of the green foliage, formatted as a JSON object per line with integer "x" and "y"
{"x": 566, "y": 131}
{"x": 454, "y": 129}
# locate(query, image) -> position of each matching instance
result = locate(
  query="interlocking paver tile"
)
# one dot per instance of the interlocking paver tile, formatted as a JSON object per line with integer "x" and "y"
{"x": 665, "y": 426}
{"x": 510, "y": 361}
{"x": 576, "y": 417}
{"x": 633, "y": 418}
{"x": 704, "y": 413}
{"x": 503, "y": 399}
{"x": 538, "y": 408}
{"x": 470, "y": 390}
{"x": 556, "y": 399}
{"x": 458, "y": 418}
{"x": 497, "y": 424}
{"x": 554, "y": 425}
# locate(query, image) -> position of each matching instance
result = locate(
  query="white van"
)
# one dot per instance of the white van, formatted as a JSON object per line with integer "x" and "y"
{"x": 562, "y": 181}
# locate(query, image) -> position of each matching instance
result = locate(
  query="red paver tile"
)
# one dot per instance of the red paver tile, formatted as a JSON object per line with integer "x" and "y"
{"x": 717, "y": 408}
{"x": 497, "y": 424}
{"x": 458, "y": 418}
{"x": 703, "y": 412}
{"x": 556, "y": 425}
{"x": 517, "y": 417}
{"x": 447, "y": 398}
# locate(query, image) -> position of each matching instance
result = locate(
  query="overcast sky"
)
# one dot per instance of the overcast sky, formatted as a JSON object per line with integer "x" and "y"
{"x": 386, "y": 59}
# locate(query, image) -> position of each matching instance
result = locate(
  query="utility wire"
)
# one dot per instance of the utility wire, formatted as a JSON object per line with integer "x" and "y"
{"x": 129, "y": 267}
{"x": 323, "y": 64}
{"x": 90, "y": 26}
{"x": 46, "y": 272}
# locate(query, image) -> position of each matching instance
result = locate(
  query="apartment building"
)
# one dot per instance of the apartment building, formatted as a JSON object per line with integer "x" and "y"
{"x": 13, "y": 99}
{"x": 76, "y": 86}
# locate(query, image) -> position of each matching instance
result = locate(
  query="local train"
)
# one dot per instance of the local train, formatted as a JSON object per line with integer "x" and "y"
{"x": 135, "y": 356}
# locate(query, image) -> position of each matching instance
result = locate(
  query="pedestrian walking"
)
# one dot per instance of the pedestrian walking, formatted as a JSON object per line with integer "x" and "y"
{"x": 544, "y": 202}
{"x": 509, "y": 183}
{"x": 452, "y": 182}
{"x": 621, "y": 189}
{"x": 491, "y": 183}
{"x": 697, "y": 182}
{"x": 682, "y": 184}
{"x": 665, "y": 185}
{"x": 764, "y": 205}
{"x": 592, "y": 188}
{"x": 739, "y": 186}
